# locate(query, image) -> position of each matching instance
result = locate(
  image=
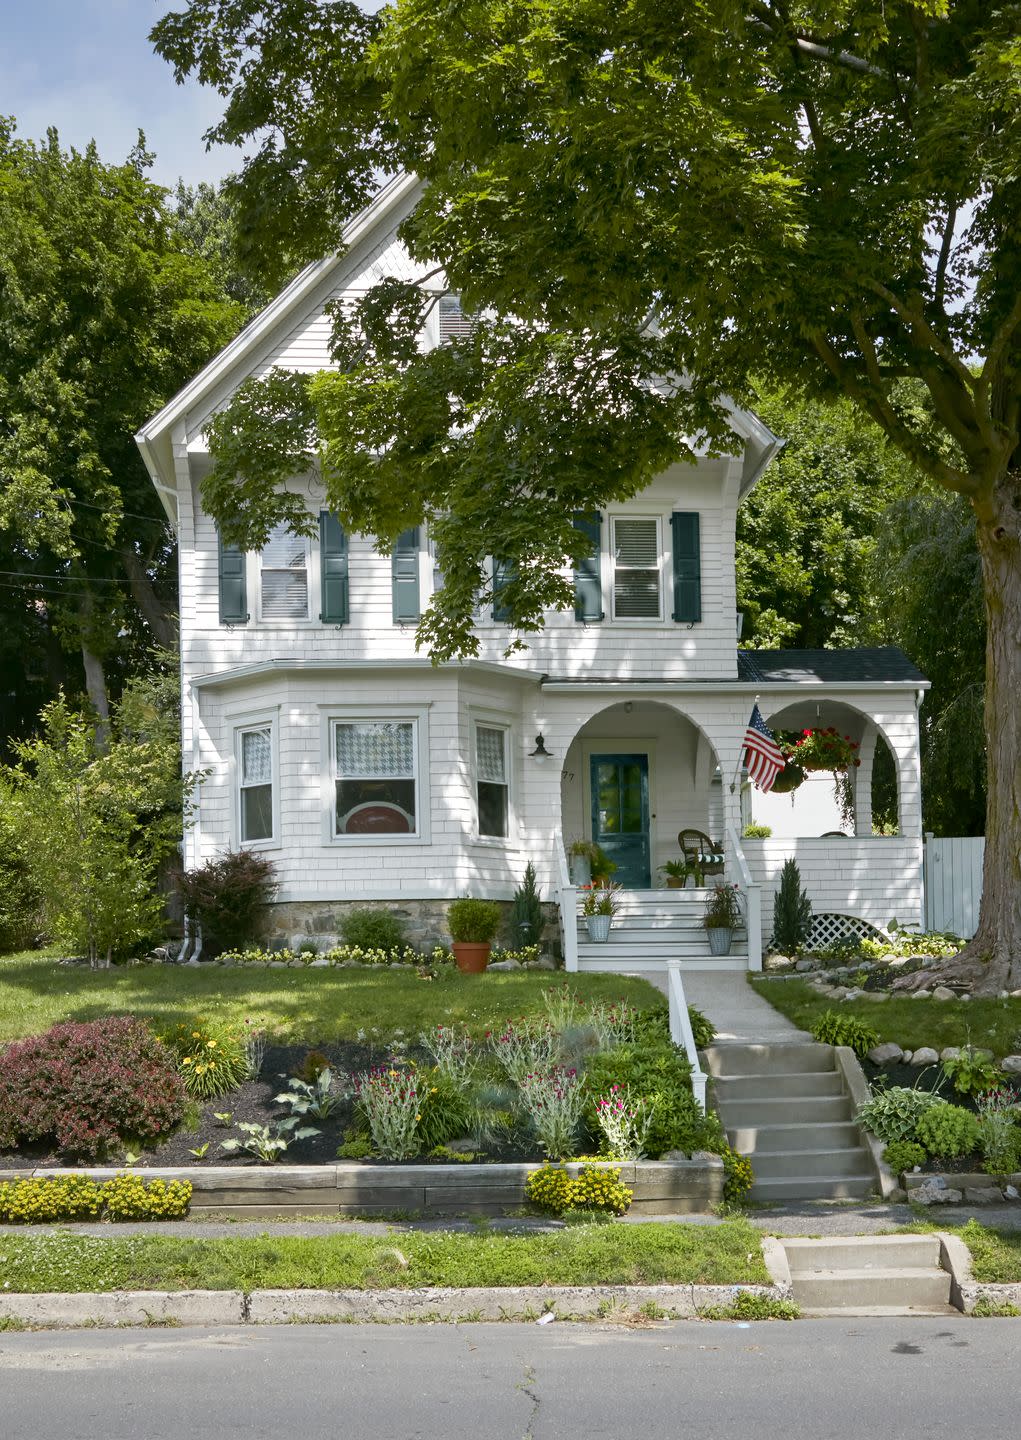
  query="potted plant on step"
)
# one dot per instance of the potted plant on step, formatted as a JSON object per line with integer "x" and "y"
{"x": 722, "y": 917}
{"x": 599, "y": 907}
{"x": 472, "y": 925}
{"x": 582, "y": 853}
{"x": 676, "y": 872}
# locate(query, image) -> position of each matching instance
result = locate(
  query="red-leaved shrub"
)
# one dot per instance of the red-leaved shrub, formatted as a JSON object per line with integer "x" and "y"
{"x": 86, "y": 1086}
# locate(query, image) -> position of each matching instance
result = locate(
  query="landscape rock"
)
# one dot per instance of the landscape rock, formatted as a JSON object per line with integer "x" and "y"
{"x": 1011, "y": 1064}
{"x": 950, "y": 1052}
{"x": 1012, "y": 1192}
{"x": 982, "y": 1195}
{"x": 889, "y": 1052}
{"x": 906, "y": 1057}
{"x": 854, "y": 994}
{"x": 925, "y": 1056}
{"x": 319, "y": 962}
{"x": 943, "y": 992}
{"x": 803, "y": 966}
{"x": 921, "y": 994}
{"x": 936, "y": 1192}
{"x": 545, "y": 964}
{"x": 505, "y": 965}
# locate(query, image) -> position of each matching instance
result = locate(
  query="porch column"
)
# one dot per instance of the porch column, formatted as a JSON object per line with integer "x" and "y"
{"x": 861, "y": 781}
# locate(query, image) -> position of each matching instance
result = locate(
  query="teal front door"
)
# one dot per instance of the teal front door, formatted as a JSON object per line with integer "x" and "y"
{"x": 620, "y": 815}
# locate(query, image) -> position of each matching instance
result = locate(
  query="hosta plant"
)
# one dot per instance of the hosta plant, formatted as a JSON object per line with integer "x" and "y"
{"x": 268, "y": 1142}
{"x": 894, "y": 1114}
{"x": 318, "y": 1098}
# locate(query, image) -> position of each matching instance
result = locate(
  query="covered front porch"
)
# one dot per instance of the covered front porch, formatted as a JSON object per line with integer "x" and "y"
{"x": 641, "y": 764}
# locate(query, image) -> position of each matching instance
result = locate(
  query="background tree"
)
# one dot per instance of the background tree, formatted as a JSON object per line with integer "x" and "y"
{"x": 830, "y": 188}
{"x": 106, "y": 313}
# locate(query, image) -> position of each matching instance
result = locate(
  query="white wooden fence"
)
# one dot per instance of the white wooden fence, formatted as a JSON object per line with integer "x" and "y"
{"x": 953, "y": 884}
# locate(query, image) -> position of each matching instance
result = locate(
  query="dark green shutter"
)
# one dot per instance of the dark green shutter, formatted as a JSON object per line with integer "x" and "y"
{"x": 404, "y": 575}
{"x": 687, "y": 567}
{"x": 233, "y": 588}
{"x": 588, "y": 575}
{"x": 333, "y": 567}
{"x": 503, "y": 573}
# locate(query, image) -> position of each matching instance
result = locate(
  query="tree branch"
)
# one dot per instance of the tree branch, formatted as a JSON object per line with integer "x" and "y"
{"x": 944, "y": 253}
{"x": 917, "y": 322}
{"x": 998, "y": 347}
{"x": 875, "y": 403}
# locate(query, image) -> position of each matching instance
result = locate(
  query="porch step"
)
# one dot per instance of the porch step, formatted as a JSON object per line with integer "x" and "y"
{"x": 655, "y": 941}
{"x": 784, "y": 1106}
{"x": 892, "y": 1274}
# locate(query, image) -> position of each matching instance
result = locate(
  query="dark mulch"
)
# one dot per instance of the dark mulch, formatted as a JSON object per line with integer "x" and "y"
{"x": 914, "y": 1077}
{"x": 254, "y": 1102}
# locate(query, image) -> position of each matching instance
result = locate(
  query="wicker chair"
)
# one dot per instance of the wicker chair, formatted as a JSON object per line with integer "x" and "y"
{"x": 697, "y": 848}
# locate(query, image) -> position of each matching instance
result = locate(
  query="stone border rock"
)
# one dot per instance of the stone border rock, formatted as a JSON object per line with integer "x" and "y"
{"x": 274, "y": 1307}
{"x": 661, "y": 1187}
{"x": 971, "y": 1188}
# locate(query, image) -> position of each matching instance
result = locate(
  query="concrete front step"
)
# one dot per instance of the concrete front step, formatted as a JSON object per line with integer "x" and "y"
{"x": 773, "y": 1059}
{"x": 754, "y": 1141}
{"x": 675, "y": 939}
{"x": 812, "y": 1187}
{"x": 807, "y": 1256}
{"x": 635, "y": 953}
{"x": 775, "y": 1164}
{"x": 806, "y": 1085}
{"x": 790, "y": 1110}
{"x": 905, "y": 1286}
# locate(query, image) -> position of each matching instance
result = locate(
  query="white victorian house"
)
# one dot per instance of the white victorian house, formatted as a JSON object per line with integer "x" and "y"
{"x": 367, "y": 774}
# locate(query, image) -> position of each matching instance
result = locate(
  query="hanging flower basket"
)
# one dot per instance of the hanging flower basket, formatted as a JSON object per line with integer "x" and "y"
{"x": 824, "y": 749}
{"x": 789, "y": 778}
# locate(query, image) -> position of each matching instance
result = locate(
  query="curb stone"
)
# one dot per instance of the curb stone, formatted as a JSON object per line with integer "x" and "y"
{"x": 269, "y": 1307}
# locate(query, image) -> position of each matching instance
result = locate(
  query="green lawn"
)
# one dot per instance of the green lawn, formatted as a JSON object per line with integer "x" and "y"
{"x": 995, "y": 1254}
{"x": 993, "y": 1024}
{"x": 583, "y": 1255}
{"x": 319, "y": 1006}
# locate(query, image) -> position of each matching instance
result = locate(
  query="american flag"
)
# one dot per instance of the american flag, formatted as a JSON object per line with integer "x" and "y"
{"x": 763, "y": 755}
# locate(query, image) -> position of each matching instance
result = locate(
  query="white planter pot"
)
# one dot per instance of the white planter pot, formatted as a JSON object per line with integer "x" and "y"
{"x": 689, "y": 882}
{"x": 598, "y": 927}
{"x": 581, "y": 871}
{"x": 720, "y": 937}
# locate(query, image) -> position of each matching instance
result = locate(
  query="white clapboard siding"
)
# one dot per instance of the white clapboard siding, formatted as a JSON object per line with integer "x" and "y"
{"x": 953, "y": 883}
{"x": 877, "y": 878}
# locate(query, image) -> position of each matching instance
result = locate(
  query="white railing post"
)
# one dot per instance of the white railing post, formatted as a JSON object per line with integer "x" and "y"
{"x": 753, "y": 894}
{"x": 567, "y": 902}
{"x": 680, "y": 1028}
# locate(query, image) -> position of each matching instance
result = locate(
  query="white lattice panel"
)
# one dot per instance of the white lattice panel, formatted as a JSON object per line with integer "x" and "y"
{"x": 829, "y": 928}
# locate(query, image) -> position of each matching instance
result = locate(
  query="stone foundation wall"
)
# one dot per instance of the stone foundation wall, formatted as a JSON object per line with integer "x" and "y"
{"x": 424, "y": 921}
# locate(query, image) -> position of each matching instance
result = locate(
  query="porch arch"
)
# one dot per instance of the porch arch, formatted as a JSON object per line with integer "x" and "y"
{"x": 898, "y": 733}
{"x": 684, "y": 785}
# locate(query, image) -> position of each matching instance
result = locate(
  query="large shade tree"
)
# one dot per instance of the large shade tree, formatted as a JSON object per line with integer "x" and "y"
{"x": 105, "y": 310}
{"x": 631, "y": 190}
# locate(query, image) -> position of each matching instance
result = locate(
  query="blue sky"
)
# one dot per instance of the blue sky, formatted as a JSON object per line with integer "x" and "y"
{"x": 87, "y": 67}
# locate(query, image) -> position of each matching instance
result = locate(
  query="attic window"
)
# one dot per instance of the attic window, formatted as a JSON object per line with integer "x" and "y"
{"x": 454, "y": 323}
{"x": 636, "y": 555}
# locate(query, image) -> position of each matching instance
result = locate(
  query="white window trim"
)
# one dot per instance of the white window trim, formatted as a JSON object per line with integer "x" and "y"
{"x": 312, "y": 573}
{"x": 643, "y": 622}
{"x": 346, "y": 714}
{"x": 493, "y": 721}
{"x": 241, "y": 721}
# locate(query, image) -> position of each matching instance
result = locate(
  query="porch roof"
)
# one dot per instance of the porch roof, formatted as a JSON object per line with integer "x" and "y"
{"x": 883, "y": 664}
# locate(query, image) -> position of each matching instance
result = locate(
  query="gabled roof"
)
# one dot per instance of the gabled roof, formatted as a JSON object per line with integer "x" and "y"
{"x": 154, "y": 439}
{"x": 883, "y": 665}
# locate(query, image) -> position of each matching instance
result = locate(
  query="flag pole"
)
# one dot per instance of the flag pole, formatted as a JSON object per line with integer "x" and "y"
{"x": 740, "y": 754}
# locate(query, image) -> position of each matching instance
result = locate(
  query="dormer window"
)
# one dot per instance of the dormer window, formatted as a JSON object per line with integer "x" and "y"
{"x": 636, "y": 551}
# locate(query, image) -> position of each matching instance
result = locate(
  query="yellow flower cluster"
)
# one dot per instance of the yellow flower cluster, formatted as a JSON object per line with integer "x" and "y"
{"x": 597, "y": 1187}
{"x": 54, "y": 1198}
{"x": 212, "y": 1056}
{"x": 49, "y": 1199}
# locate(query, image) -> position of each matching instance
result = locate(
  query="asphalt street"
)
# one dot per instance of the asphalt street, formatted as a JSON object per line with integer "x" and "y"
{"x": 716, "y": 1381}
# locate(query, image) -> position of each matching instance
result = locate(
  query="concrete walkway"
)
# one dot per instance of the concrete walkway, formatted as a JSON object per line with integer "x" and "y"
{"x": 729, "y": 1001}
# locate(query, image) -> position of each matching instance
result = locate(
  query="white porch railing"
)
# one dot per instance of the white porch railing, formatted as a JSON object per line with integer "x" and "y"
{"x": 566, "y": 897}
{"x": 680, "y": 1028}
{"x": 753, "y": 895}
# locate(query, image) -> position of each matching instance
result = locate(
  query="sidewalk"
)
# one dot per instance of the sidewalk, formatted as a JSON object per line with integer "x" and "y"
{"x": 729, "y": 1001}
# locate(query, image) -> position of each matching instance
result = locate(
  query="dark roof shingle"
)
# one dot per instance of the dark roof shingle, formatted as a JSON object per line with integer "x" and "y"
{"x": 881, "y": 664}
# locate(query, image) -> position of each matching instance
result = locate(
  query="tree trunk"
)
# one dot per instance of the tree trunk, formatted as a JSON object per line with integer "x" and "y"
{"x": 159, "y": 620}
{"x": 95, "y": 685}
{"x": 991, "y": 962}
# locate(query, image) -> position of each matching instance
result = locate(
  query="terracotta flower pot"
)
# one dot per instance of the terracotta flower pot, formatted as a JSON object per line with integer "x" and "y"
{"x": 471, "y": 958}
{"x": 675, "y": 882}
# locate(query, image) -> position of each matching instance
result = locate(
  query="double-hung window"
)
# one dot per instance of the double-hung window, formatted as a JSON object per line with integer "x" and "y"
{"x": 283, "y": 576}
{"x": 254, "y": 760}
{"x": 491, "y": 781}
{"x": 375, "y": 775}
{"x": 636, "y": 552}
